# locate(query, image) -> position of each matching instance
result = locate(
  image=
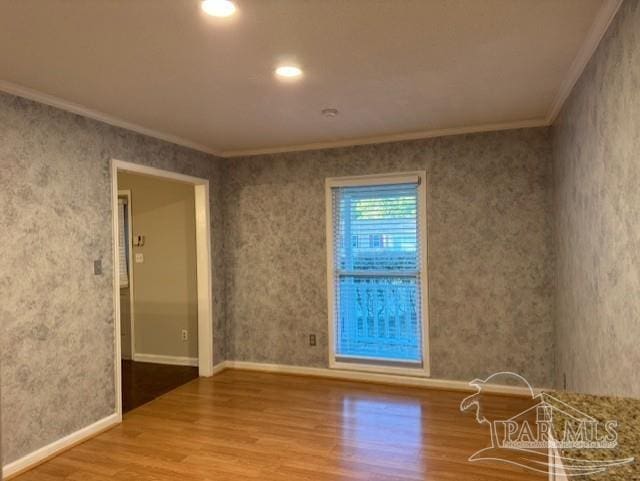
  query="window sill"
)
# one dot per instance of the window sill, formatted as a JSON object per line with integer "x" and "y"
{"x": 405, "y": 370}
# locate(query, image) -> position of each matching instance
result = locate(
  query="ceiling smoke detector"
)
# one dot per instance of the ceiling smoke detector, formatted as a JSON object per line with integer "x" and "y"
{"x": 329, "y": 113}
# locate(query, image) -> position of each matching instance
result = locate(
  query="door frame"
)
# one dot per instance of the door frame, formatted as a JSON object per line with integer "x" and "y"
{"x": 127, "y": 193}
{"x": 203, "y": 266}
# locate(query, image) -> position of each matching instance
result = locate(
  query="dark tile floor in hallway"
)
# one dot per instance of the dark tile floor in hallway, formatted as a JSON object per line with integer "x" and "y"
{"x": 143, "y": 382}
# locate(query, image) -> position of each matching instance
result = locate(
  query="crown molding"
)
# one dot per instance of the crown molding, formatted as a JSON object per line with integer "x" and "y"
{"x": 596, "y": 32}
{"x": 422, "y": 134}
{"x": 78, "y": 109}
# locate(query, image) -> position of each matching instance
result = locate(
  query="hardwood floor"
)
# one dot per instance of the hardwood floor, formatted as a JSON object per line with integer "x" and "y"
{"x": 242, "y": 426}
{"x": 143, "y": 381}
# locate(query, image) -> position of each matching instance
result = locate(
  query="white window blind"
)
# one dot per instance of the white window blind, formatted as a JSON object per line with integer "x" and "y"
{"x": 123, "y": 246}
{"x": 377, "y": 274}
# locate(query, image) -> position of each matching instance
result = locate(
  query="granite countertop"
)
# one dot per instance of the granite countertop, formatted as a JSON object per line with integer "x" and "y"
{"x": 623, "y": 410}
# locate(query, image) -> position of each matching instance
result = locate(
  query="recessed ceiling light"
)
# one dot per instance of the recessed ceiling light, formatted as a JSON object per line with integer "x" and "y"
{"x": 218, "y": 8}
{"x": 288, "y": 71}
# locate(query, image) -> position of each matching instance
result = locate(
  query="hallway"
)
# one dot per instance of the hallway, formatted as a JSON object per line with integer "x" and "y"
{"x": 142, "y": 382}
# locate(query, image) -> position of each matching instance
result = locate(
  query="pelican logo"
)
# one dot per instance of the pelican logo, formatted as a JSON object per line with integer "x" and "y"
{"x": 549, "y": 436}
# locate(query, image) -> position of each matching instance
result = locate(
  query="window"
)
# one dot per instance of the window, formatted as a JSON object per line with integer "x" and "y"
{"x": 376, "y": 236}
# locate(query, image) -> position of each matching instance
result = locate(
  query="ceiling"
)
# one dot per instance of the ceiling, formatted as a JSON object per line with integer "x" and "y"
{"x": 395, "y": 69}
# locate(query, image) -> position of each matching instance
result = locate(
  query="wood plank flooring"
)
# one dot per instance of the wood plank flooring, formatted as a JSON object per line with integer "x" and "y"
{"x": 144, "y": 381}
{"x": 249, "y": 426}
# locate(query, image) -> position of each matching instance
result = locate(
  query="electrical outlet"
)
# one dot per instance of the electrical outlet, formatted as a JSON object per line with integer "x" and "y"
{"x": 312, "y": 339}
{"x": 185, "y": 335}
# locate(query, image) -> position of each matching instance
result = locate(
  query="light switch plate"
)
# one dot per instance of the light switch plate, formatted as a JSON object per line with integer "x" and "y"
{"x": 139, "y": 257}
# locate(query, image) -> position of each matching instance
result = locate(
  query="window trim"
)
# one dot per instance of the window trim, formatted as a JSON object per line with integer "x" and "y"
{"x": 422, "y": 370}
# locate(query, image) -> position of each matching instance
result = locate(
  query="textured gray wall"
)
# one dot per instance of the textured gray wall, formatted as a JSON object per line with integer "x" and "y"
{"x": 57, "y": 317}
{"x": 597, "y": 215}
{"x": 491, "y": 260}
{"x": 490, "y": 251}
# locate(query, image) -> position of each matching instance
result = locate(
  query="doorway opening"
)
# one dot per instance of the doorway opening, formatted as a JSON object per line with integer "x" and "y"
{"x": 162, "y": 282}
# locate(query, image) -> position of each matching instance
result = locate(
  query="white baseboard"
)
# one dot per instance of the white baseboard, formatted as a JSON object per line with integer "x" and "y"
{"x": 36, "y": 457}
{"x": 430, "y": 383}
{"x": 171, "y": 360}
{"x": 221, "y": 366}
